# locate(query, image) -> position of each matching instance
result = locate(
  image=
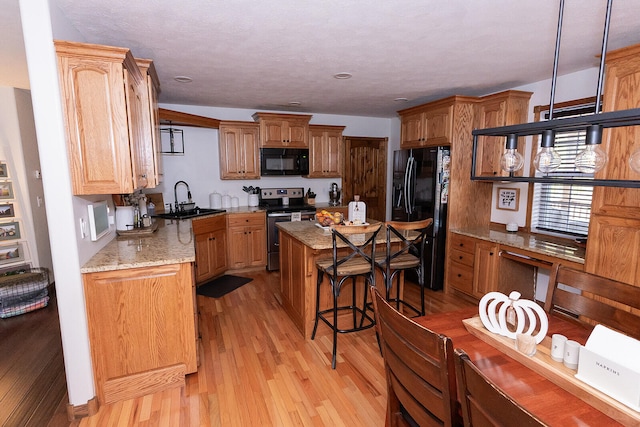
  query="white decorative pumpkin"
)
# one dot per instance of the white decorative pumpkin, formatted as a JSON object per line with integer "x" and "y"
{"x": 493, "y": 314}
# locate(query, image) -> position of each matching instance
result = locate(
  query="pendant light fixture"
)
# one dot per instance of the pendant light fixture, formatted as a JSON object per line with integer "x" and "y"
{"x": 590, "y": 160}
{"x": 511, "y": 160}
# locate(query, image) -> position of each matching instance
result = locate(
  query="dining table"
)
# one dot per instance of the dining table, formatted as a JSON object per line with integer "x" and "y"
{"x": 552, "y": 403}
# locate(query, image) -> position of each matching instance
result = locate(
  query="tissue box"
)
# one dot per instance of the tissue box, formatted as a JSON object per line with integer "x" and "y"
{"x": 608, "y": 362}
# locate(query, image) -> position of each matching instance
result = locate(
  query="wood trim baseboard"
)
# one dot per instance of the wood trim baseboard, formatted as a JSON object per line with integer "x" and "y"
{"x": 75, "y": 412}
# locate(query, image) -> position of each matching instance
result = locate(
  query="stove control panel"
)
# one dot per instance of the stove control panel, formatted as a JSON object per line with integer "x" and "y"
{"x": 279, "y": 193}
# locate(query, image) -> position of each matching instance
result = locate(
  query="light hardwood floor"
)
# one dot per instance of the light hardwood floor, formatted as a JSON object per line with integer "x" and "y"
{"x": 257, "y": 370}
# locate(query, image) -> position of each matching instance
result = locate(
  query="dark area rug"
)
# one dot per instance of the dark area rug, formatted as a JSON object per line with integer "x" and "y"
{"x": 221, "y": 286}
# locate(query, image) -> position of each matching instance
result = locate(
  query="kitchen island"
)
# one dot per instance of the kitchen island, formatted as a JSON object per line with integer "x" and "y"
{"x": 301, "y": 244}
{"x": 142, "y": 318}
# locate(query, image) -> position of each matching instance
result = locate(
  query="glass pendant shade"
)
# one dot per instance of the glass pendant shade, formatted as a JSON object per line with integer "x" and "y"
{"x": 512, "y": 160}
{"x": 592, "y": 158}
{"x": 634, "y": 161}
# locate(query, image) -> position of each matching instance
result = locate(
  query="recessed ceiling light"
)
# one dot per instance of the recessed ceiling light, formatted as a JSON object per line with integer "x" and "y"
{"x": 295, "y": 103}
{"x": 342, "y": 76}
{"x": 401, "y": 100}
{"x": 183, "y": 79}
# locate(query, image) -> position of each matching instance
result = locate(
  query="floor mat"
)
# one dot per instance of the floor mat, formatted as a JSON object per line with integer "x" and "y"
{"x": 221, "y": 286}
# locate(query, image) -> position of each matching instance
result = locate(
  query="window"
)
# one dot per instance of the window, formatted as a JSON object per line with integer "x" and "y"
{"x": 564, "y": 209}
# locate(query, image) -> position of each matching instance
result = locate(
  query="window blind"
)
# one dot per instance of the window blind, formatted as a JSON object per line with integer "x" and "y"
{"x": 564, "y": 208}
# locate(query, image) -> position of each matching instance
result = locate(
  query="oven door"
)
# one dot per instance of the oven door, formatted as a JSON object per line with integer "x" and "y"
{"x": 273, "y": 236}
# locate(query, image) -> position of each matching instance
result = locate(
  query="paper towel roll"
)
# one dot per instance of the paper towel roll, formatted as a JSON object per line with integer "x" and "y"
{"x": 124, "y": 218}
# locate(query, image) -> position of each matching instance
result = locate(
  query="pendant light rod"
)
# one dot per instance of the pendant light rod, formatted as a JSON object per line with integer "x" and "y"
{"x": 555, "y": 60}
{"x": 605, "y": 37}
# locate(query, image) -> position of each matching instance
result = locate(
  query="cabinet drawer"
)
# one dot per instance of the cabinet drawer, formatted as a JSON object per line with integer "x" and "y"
{"x": 461, "y": 257}
{"x": 241, "y": 220}
{"x": 461, "y": 277}
{"x": 462, "y": 243}
{"x": 208, "y": 225}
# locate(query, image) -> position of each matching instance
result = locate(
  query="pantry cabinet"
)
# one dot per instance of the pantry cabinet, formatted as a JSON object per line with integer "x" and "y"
{"x": 325, "y": 151}
{"x": 283, "y": 130}
{"x": 247, "y": 233}
{"x": 142, "y": 329}
{"x": 105, "y": 101}
{"x": 613, "y": 247}
{"x": 500, "y": 109}
{"x": 210, "y": 235}
{"x": 239, "y": 150}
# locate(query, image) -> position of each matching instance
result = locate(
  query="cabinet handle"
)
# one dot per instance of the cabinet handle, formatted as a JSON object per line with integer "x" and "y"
{"x": 459, "y": 275}
{"x": 460, "y": 256}
{"x": 490, "y": 253}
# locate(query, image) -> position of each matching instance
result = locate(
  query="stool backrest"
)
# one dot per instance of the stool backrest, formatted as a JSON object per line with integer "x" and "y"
{"x": 413, "y": 243}
{"x": 360, "y": 244}
{"x": 483, "y": 403}
{"x": 419, "y": 368}
{"x": 600, "y": 300}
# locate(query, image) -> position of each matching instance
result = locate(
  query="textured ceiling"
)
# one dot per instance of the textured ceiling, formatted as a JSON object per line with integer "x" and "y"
{"x": 265, "y": 54}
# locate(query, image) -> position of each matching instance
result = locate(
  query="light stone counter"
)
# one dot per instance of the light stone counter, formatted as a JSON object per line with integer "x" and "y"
{"x": 540, "y": 244}
{"x": 317, "y": 238}
{"x": 171, "y": 243}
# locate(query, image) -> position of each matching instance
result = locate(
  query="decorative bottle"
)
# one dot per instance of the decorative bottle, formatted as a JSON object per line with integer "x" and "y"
{"x": 357, "y": 211}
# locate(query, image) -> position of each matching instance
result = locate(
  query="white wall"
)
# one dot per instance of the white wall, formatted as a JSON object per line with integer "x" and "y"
{"x": 581, "y": 84}
{"x": 200, "y": 166}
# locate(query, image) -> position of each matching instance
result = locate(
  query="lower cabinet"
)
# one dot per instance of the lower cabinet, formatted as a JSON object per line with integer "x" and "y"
{"x": 142, "y": 332}
{"x": 210, "y": 235}
{"x": 247, "y": 233}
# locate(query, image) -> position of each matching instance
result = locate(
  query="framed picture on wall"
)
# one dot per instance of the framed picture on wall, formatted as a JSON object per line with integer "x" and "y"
{"x": 6, "y": 190}
{"x": 4, "y": 173}
{"x": 508, "y": 199}
{"x": 11, "y": 253}
{"x": 9, "y": 230}
{"x": 6, "y": 210}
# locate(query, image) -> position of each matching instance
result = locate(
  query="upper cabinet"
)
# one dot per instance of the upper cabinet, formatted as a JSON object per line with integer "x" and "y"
{"x": 239, "y": 150}
{"x": 283, "y": 130}
{"x": 325, "y": 151}
{"x": 105, "y": 102}
{"x": 428, "y": 125}
{"x": 500, "y": 109}
{"x": 151, "y": 121}
{"x": 613, "y": 247}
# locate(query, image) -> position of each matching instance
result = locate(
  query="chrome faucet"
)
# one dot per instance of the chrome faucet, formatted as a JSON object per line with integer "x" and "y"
{"x": 175, "y": 194}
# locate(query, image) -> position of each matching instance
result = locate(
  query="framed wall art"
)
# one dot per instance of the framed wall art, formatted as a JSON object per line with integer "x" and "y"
{"x": 11, "y": 253}
{"x": 508, "y": 199}
{"x": 4, "y": 172}
{"x": 6, "y": 210}
{"x": 9, "y": 230}
{"x": 6, "y": 190}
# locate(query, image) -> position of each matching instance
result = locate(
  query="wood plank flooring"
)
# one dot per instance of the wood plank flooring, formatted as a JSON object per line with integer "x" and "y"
{"x": 257, "y": 370}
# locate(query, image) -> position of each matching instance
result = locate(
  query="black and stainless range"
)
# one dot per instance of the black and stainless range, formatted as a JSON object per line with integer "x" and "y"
{"x": 282, "y": 204}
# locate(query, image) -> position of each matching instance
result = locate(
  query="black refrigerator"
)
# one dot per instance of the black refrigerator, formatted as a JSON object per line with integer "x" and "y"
{"x": 420, "y": 191}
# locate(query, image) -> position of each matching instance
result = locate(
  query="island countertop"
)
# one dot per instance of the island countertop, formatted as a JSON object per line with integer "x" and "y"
{"x": 315, "y": 237}
{"x": 171, "y": 243}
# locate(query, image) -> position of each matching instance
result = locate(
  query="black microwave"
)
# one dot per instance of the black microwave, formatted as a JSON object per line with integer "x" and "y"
{"x": 284, "y": 161}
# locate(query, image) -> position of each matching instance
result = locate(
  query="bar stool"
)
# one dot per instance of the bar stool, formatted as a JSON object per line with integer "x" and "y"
{"x": 410, "y": 256}
{"x": 353, "y": 257}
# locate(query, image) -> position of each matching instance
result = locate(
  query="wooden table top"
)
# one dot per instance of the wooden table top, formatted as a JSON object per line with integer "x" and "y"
{"x": 551, "y": 403}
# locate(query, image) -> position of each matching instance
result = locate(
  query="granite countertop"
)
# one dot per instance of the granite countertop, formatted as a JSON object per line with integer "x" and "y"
{"x": 171, "y": 243}
{"x": 537, "y": 243}
{"x": 315, "y": 237}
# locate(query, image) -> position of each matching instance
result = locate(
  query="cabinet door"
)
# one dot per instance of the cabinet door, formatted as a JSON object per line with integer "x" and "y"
{"x": 139, "y": 140}
{"x": 325, "y": 153}
{"x": 211, "y": 255}
{"x": 297, "y": 132}
{"x": 250, "y": 152}
{"x": 96, "y": 115}
{"x": 275, "y": 133}
{"x": 292, "y": 281}
{"x": 438, "y": 126}
{"x": 412, "y": 130}
{"x": 239, "y": 152}
{"x": 486, "y": 266}
{"x": 257, "y": 245}
{"x": 140, "y": 324}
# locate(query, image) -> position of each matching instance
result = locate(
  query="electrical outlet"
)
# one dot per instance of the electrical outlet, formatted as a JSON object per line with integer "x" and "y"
{"x": 83, "y": 228}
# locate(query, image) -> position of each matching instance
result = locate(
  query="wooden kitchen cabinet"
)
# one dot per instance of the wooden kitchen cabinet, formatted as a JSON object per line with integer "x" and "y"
{"x": 428, "y": 125}
{"x": 210, "y": 235}
{"x": 105, "y": 102}
{"x": 500, "y": 109}
{"x": 239, "y": 150}
{"x": 613, "y": 247}
{"x": 247, "y": 234}
{"x": 151, "y": 121}
{"x": 283, "y": 130}
{"x": 325, "y": 151}
{"x": 460, "y": 263}
{"x": 142, "y": 332}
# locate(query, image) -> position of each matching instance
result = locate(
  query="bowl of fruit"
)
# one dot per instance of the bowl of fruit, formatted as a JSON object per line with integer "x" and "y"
{"x": 327, "y": 219}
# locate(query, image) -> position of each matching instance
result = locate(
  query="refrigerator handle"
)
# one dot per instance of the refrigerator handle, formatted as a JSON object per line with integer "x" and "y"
{"x": 410, "y": 185}
{"x": 405, "y": 188}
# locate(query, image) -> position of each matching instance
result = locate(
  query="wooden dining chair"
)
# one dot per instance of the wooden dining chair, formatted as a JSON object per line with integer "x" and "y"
{"x": 419, "y": 370}
{"x": 353, "y": 257}
{"x": 404, "y": 256}
{"x": 594, "y": 299}
{"x": 483, "y": 403}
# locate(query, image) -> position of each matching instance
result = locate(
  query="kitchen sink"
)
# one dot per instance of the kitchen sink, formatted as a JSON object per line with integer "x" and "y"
{"x": 192, "y": 213}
